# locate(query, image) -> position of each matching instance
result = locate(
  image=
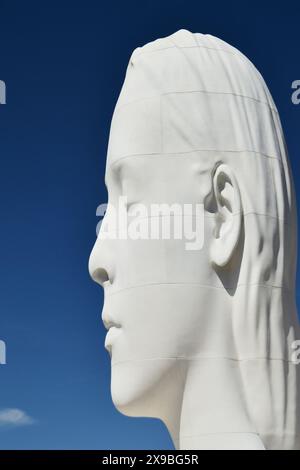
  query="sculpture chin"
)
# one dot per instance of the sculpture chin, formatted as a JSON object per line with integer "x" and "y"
{"x": 139, "y": 387}
{"x": 129, "y": 387}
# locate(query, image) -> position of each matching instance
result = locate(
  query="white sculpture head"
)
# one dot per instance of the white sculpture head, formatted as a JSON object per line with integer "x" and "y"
{"x": 200, "y": 334}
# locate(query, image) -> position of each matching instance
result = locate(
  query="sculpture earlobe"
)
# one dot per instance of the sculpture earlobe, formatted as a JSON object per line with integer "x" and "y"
{"x": 228, "y": 215}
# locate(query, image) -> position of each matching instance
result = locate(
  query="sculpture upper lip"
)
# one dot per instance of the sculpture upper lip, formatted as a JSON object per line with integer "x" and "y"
{"x": 109, "y": 322}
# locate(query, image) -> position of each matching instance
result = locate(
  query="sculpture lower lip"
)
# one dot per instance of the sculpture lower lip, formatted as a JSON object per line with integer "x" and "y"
{"x": 111, "y": 336}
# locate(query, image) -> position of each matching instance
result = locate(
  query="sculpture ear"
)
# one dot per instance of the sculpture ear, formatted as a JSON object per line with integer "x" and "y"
{"x": 228, "y": 215}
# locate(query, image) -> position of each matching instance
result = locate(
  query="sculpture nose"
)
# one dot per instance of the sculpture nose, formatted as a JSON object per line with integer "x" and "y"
{"x": 98, "y": 264}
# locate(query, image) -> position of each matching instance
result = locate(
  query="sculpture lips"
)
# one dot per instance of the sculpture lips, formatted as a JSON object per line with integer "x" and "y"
{"x": 111, "y": 336}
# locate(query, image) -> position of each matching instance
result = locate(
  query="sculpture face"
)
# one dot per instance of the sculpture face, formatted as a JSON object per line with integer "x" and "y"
{"x": 164, "y": 295}
{"x": 156, "y": 287}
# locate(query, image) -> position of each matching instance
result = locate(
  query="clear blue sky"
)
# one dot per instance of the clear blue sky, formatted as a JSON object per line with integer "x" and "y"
{"x": 63, "y": 63}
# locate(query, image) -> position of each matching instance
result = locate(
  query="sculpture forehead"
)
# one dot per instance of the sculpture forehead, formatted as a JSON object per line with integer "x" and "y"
{"x": 183, "y": 123}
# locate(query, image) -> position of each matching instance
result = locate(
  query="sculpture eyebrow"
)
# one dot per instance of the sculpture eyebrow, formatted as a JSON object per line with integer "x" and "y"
{"x": 114, "y": 170}
{"x": 105, "y": 179}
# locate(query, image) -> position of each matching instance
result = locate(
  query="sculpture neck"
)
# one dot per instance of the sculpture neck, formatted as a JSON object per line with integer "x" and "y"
{"x": 213, "y": 414}
{"x": 218, "y": 389}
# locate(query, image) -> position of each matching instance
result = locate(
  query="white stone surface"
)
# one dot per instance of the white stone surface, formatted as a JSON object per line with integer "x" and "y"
{"x": 202, "y": 339}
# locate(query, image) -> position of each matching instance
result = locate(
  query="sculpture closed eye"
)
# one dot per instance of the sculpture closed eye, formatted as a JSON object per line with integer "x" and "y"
{"x": 204, "y": 336}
